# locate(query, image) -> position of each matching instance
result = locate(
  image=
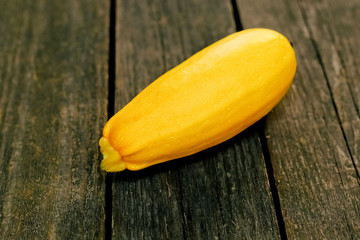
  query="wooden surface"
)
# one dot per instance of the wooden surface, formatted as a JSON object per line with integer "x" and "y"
{"x": 66, "y": 66}
{"x": 53, "y": 68}
{"x": 312, "y": 134}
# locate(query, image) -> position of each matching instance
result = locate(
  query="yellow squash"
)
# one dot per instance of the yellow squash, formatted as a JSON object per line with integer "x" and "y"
{"x": 207, "y": 99}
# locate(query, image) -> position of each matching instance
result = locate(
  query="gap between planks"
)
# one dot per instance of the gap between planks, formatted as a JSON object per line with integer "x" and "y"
{"x": 111, "y": 111}
{"x": 264, "y": 146}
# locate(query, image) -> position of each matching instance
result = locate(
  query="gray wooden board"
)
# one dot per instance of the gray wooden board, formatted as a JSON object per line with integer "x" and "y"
{"x": 53, "y": 104}
{"x": 337, "y": 43}
{"x": 313, "y": 135}
{"x": 220, "y": 193}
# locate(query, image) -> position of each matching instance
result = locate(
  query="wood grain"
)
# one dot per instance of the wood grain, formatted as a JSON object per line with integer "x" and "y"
{"x": 336, "y": 43}
{"x": 53, "y": 94}
{"x": 313, "y": 134}
{"x": 220, "y": 193}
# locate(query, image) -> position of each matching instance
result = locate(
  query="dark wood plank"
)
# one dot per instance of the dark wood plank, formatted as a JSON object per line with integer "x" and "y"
{"x": 53, "y": 95}
{"x": 220, "y": 193}
{"x": 315, "y": 172}
{"x": 337, "y": 43}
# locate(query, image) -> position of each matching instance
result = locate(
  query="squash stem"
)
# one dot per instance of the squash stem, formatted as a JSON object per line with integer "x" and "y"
{"x": 112, "y": 159}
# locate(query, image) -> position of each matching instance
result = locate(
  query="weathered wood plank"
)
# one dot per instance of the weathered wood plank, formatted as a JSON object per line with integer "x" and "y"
{"x": 53, "y": 78}
{"x": 337, "y": 43}
{"x": 221, "y": 193}
{"x": 315, "y": 172}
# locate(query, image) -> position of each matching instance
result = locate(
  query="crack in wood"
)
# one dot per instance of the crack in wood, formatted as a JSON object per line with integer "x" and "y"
{"x": 272, "y": 183}
{"x": 342, "y": 62}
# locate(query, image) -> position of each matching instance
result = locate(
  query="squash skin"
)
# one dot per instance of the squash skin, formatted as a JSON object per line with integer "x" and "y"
{"x": 206, "y": 100}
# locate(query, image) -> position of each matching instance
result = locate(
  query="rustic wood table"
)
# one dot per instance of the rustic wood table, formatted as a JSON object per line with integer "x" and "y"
{"x": 67, "y": 66}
